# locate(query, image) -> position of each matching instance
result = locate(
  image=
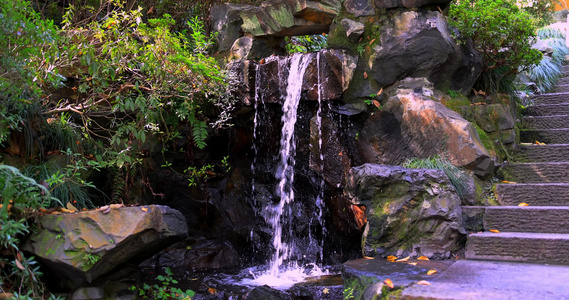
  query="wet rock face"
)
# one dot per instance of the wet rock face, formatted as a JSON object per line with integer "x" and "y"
{"x": 330, "y": 159}
{"x": 413, "y": 124}
{"x": 82, "y": 247}
{"x": 335, "y": 68}
{"x": 409, "y": 211}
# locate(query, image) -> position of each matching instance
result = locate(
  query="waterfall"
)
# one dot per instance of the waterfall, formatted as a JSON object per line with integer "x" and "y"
{"x": 284, "y": 268}
{"x": 285, "y": 169}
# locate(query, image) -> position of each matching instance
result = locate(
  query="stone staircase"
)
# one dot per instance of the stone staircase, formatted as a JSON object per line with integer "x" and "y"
{"x": 537, "y": 233}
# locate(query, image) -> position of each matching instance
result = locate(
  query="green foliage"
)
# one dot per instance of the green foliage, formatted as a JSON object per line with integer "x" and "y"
{"x": 455, "y": 101}
{"x": 306, "y": 43}
{"x": 25, "y": 63}
{"x": 164, "y": 290}
{"x": 157, "y": 77}
{"x": 457, "y": 177}
{"x": 90, "y": 260}
{"x": 547, "y": 72}
{"x": 542, "y": 10}
{"x": 501, "y": 32}
{"x": 65, "y": 183}
{"x": 20, "y": 195}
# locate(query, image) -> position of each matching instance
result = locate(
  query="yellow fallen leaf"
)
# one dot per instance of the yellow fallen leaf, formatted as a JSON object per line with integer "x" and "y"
{"x": 391, "y": 258}
{"x": 413, "y": 263}
{"x": 494, "y": 230}
{"x": 423, "y": 282}
{"x": 389, "y": 283}
{"x": 144, "y": 208}
{"x": 369, "y": 257}
{"x": 325, "y": 291}
{"x": 523, "y": 204}
{"x": 70, "y": 207}
{"x": 422, "y": 258}
{"x": 65, "y": 210}
{"x": 403, "y": 259}
{"x": 431, "y": 272}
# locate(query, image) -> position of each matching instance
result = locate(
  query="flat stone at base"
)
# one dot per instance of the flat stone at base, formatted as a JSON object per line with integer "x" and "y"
{"x": 88, "y": 293}
{"x": 490, "y": 280}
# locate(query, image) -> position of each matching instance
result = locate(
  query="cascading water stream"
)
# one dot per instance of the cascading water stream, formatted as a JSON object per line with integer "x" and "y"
{"x": 285, "y": 170}
{"x": 284, "y": 270}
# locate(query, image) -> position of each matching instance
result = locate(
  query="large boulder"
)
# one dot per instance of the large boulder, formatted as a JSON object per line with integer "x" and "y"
{"x": 418, "y": 44}
{"x": 409, "y": 211}
{"x": 290, "y": 17}
{"x": 81, "y": 247}
{"x": 413, "y": 124}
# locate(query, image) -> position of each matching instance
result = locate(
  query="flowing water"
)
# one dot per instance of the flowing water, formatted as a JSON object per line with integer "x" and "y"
{"x": 284, "y": 269}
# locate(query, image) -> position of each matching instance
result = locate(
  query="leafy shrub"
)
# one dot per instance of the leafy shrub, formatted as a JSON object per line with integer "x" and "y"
{"x": 456, "y": 176}
{"x": 306, "y": 43}
{"x": 501, "y": 32}
{"x": 546, "y": 73}
{"x": 19, "y": 197}
{"x": 164, "y": 290}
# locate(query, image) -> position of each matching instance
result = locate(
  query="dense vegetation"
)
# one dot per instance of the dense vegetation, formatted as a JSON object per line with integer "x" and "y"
{"x": 85, "y": 84}
{"x": 502, "y": 33}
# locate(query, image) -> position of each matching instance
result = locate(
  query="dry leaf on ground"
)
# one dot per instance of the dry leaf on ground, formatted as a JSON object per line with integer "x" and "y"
{"x": 389, "y": 283}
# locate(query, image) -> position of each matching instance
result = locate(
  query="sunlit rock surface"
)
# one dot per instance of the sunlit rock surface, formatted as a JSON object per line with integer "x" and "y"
{"x": 81, "y": 247}
{"x": 412, "y": 123}
{"x": 409, "y": 211}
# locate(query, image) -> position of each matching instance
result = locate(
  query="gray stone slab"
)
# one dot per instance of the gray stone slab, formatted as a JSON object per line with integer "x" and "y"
{"x": 548, "y": 110}
{"x": 534, "y": 194}
{"x": 536, "y": 172}
{"x": 542, "y": 153}
{"x": 561, "y": 88}
{"x": 545, "y": 219}
{"x": 553, "y": 98}
{"x": 490, "y": 280}
{"x": 545, "y": 122}
{"x": 550, "y": 248}
{"x": 564, "y": 80}
{"x": 548, "y": 136}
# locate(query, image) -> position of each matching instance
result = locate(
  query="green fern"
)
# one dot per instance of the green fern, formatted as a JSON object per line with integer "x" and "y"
{"x": 199, "y": 132}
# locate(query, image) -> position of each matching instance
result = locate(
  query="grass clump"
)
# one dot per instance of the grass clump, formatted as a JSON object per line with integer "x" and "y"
{"x": 456, "y": 176}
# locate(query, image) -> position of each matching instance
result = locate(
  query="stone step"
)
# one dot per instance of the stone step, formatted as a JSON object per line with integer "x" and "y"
{"x": 548, "y": 136}
{"x": 542, "y": 153}
{"x": 561, "y": 88}
{"x": 545, "y": 122}
{"x": 547, "y": 110}
{"x": 536, "y": 172}
{"x": 552, "y": 98}
{"x": 563, "y": 80}
{"x": 545, "y": 219}
{"x": 551, "y": 248}
{"x": 534, "y": 194}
